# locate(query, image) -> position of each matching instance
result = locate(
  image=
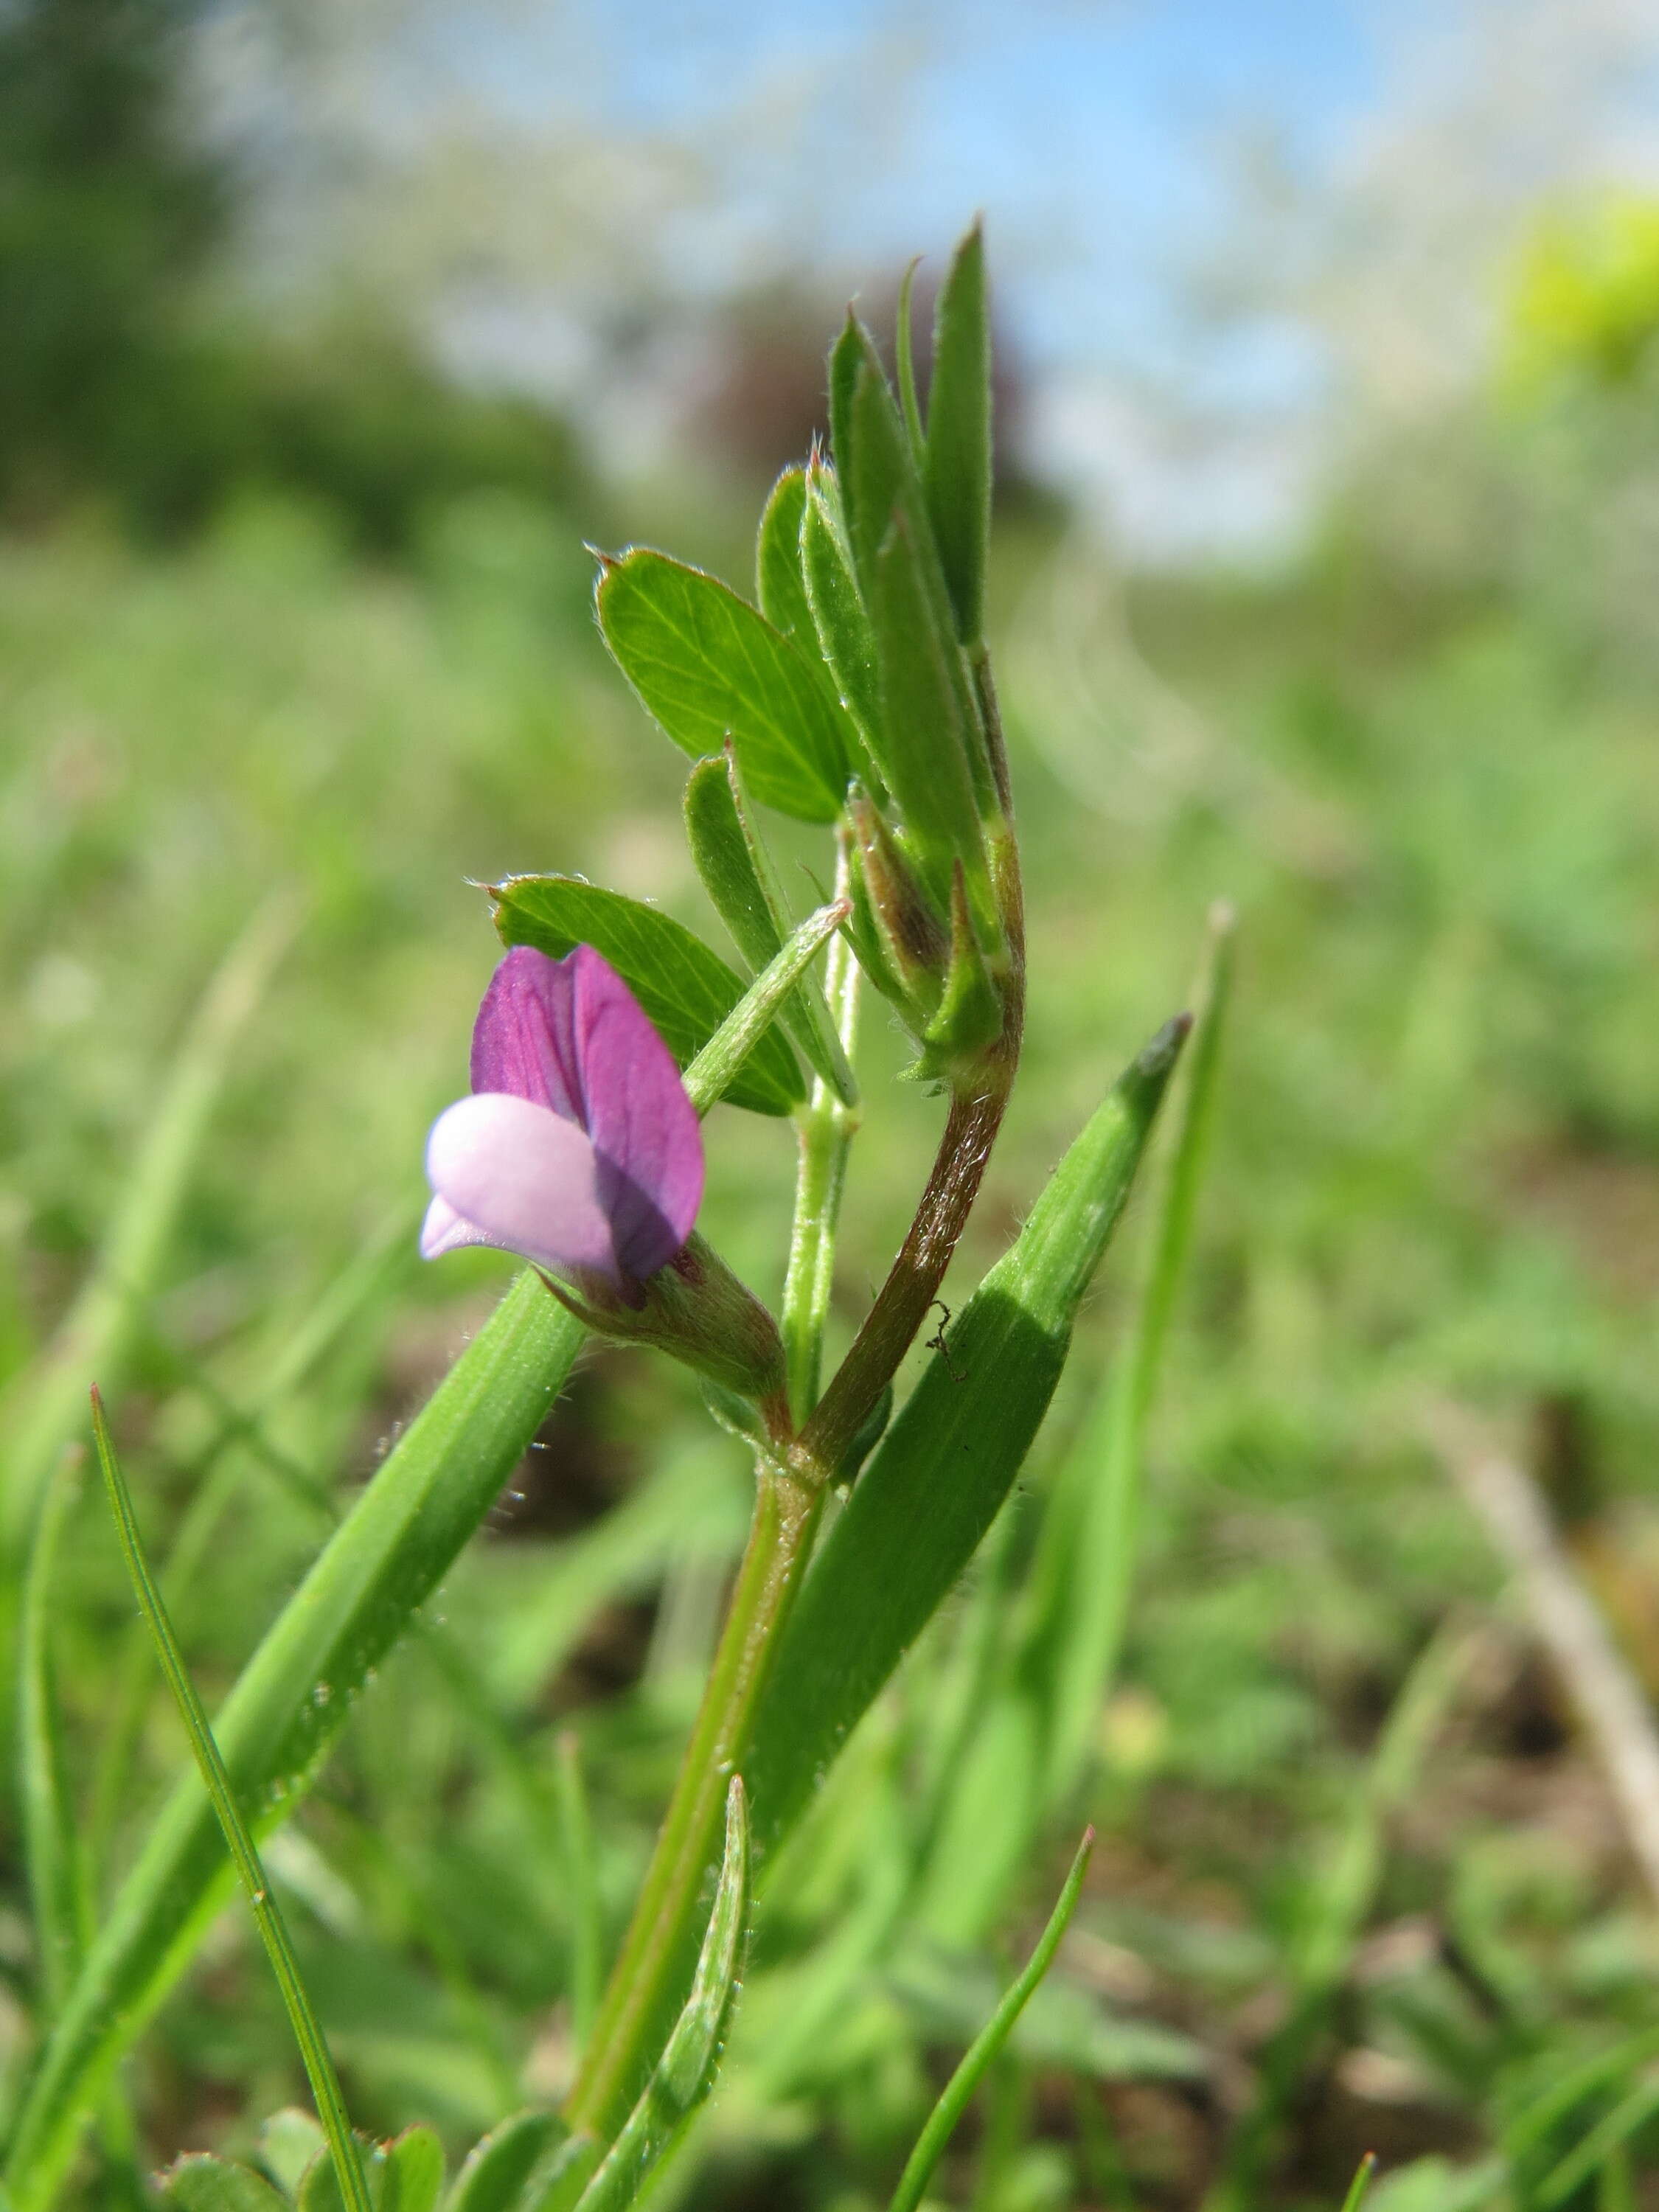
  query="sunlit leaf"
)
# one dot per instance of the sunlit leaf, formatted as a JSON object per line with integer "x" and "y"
{"x": 939, "y": 1477}
{"x": 199, "y": 2184}
{"x": 686, "y": 990}
{"x": 708, "y": 666}
{"x": 957, "y": 472}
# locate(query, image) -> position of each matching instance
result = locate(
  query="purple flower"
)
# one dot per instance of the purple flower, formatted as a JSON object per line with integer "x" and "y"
{"x": 579, "y": 1147}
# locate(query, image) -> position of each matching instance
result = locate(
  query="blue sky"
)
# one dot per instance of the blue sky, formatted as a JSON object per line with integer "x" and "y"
{"x": 1119, "y": 149}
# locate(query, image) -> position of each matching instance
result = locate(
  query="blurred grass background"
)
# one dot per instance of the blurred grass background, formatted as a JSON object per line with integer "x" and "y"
{"x": 288, "y": 607}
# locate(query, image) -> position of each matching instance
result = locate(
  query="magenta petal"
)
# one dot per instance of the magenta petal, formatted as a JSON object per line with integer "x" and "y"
{"x": 643, "y": 1126}
{"x": 524, "y": 1042}
{"x": 524, "y": 1178}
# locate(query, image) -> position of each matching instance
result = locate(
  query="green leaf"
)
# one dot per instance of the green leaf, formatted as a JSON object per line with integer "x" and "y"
{"x": 845, "y": 637}
{"x": 904, "y": 356}
{"x": 684, "y": 2074}
{"x": 415, "y": 2172}
{"x": 738, "y": 875}
{"x": 956, "y": 474}
{"x": 558, "y": 2181}
{"x": 199, "y": 2184}
{"x": 358, "y": 1600}
{"x": 222, "y": 1792}
{"x": 404, "y": 2175}
{"x": 925, "y": 733}
{"x": 288, "y": 2143}
{"x": 846, "y": 357}
{"x": 320, "y": 2190}
{"x": 708, "y": 666}
{"x": 953, "y": 2100}
{"x": 945, "y": 1466}
{"x": 687, "y": 991}
{"x": 779, "y": 584}
{"x": 499, "y": 2165}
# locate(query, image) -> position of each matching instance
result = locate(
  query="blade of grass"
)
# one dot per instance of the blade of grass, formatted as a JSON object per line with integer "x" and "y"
{"x": 954, "y": 2098}
{"x": 1614, "y": 2129}
{"x": 359, "y": 1599}
{"x": 1359, "y": 2187}
{"x": 1085, "y": 1565}
{"x": 96, "y": 1333}
{"x": 684, "y": 2074}
{"x": 583, "y": 1883}
{"x": 51, "y": 1845}
{"x": 1339, "y": 1903}
{"x": 267, "y": 1913}
{"x": 210, "y": 1477}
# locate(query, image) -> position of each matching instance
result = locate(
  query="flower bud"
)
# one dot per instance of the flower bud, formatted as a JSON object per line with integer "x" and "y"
{"x": 695, "y": 1309}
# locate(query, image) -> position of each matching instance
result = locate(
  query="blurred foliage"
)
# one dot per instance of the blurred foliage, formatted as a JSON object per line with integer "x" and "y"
{"x": 1357, "y": 1885}
{"x": 127, "y": 377}
{"x": 1586, "y": 293}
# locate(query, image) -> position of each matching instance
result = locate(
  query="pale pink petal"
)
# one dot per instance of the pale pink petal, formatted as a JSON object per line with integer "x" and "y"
{"x": 525, "y": 1179}
{"x": 446, "y": 1230}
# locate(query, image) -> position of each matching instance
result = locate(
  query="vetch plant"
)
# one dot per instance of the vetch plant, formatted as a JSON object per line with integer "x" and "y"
{"x": 854, "y": 695}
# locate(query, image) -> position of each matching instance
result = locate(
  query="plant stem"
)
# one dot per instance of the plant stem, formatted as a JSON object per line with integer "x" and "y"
{"x": 826, "y": 1135}
{"x": 900, "y": 1307}
{"x": 643, "y": 1986}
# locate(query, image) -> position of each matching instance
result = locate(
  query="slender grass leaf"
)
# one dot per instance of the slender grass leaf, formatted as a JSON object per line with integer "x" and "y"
{"x": 1084, "y": 1568}
{"x": 684, "y": 2074}
{"x": 937, "y": 1480}
{"x": 845, "y": 637}
{"x": 708, "y": 666}
{"x": 1336, "y": 1909}
{"x": 499, "y": 2167}
{"x": 358, "y": 1600}
{"x": 1359, "y": 2187}
{"x": 719, "y": 1065}
{"x": 953, "y": 2100}
{"x": 1605, "y": 2140}
{"x": 46, "y": 1406}
{"x": 267, "y": 1913}
{"x": 738, "y": 875}
{"x": 51, "y": 1843}
{"x": 956, "y": 471}
{"x": 200, "y": 2184}
{"x": 1543, "y": 2114}
{"x": 211, "y": 1477}
{"x": 779, "y": 584}
{"x": 686, "y": 990}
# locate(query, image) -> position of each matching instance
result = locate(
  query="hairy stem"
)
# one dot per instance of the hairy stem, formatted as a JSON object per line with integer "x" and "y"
{"x": 826, "y": 1135}
{"x": 900, "y": 1307}
{"x": 647, "y": 1982}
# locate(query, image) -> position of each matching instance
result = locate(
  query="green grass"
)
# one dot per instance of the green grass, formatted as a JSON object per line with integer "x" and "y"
{"x": 1315, "y": 1923}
